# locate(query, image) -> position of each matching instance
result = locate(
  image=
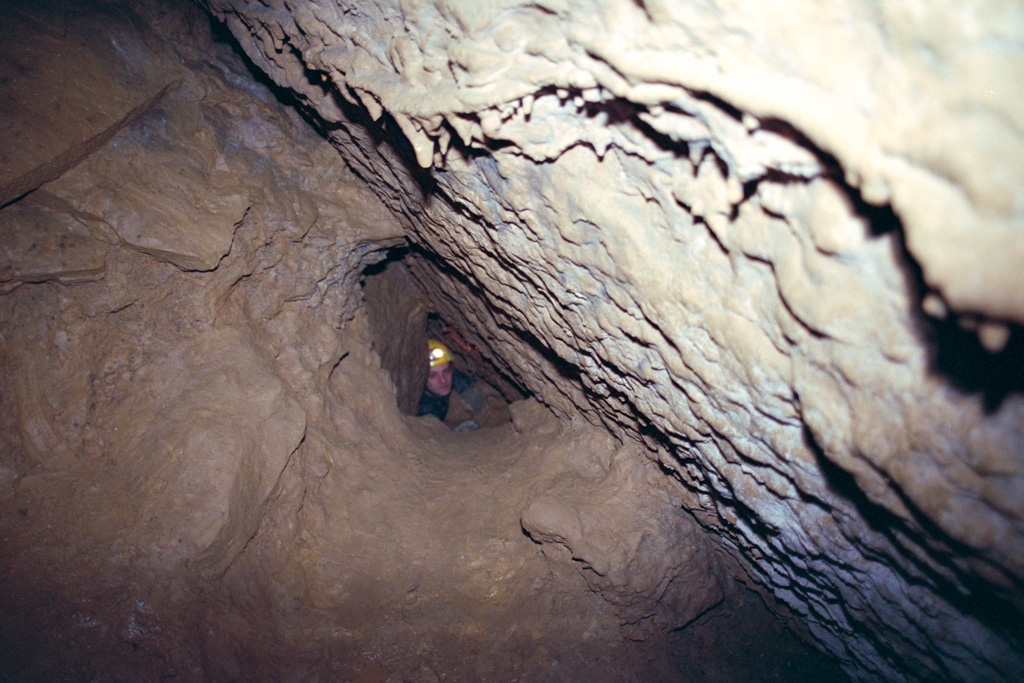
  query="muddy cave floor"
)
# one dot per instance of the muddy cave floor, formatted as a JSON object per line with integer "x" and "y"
{"x": 405, "y": 560}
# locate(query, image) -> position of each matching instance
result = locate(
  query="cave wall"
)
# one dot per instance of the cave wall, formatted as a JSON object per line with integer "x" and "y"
{"x": 748, "y": 237}
{"x": 396, "y": 309}
{"x": 173, "y": 289}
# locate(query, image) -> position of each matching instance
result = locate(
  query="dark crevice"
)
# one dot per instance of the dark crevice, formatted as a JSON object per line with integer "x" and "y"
{"x": 664, "y": 142}
{"x": 786, "y": 130}
{"x": 386, "y": 130}
{"x": 960, "y": 357}
{"x": 565, "y": 369}
{"x": 222, "y": 36}
{"x": 727, "y": 108}
{"x": 955, "y": 353}
{"x": 393, "y": 255}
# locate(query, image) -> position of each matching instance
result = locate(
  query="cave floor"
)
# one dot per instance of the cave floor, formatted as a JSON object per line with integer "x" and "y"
{"x": 415, "y": 566}
{"x": 395, "y": 558}
{"x": 421, "y": 569}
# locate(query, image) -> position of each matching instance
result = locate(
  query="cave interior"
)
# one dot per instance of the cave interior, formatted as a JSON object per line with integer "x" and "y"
{"x": 748, "y": 320}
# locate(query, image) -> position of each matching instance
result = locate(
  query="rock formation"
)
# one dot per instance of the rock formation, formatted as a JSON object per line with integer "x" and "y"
{"x": 764, "y": 269}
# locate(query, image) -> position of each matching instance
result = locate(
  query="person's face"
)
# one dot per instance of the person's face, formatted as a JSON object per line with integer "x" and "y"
{"x": 439, "y": 381}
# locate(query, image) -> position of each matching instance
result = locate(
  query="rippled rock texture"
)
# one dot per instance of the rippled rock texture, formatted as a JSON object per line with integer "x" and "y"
{"x": 773, "y": 257}
{"x": 750, "y": 237}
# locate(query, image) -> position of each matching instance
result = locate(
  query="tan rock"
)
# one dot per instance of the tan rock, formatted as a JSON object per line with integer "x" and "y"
{"x": 690, "y": 254}
{"x": 703, "y": 237}
{"x": 40, "y": 244}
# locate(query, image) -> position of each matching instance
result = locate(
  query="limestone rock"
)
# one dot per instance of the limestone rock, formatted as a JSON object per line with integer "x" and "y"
{"x": 397, "y": 312}
{"x": 53, "y": 112}
{"x": 709, "y": 230}
{"x": 41, "y": 244}
{"x": 149, "y": 410}
{"x": 204, "y": 471}
{"x": 167, "y": 192}
{"x": 633, "y": 549}
{"x": 703, "y": 225}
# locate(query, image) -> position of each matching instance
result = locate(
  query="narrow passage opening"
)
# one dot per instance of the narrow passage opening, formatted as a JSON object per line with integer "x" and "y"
{"x": 403, "y": 320}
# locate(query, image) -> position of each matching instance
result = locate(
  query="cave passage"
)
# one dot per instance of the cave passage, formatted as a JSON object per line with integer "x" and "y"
{"x": 751, "y": 342}
{"x": 402, "y": 319}
{"x": 503, "y": 499}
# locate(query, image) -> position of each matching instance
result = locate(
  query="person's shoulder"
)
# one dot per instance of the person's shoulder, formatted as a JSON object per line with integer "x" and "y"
{"x": 431, "y": 404}
{"x": 461, "y": 382}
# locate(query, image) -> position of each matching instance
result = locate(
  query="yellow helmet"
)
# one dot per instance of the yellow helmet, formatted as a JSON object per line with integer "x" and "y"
{"x": 439, "y": 353}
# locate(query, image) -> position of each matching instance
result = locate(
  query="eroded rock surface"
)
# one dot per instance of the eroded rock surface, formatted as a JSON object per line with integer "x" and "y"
{"x": 397, "y": 312}
{"x": 204, "y": 474}
{"x": 664, "y": 215}
{"x": 645, "y": 557}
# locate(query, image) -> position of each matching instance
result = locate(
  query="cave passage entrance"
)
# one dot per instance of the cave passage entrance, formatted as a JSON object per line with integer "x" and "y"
{"x": 403, "y": 317}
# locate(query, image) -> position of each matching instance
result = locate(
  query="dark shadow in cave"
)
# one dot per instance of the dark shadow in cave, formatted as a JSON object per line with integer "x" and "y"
{"x": 222, "y": 36}
{"x": 973, "y": 369}
{"x": 565, "y": 369}
{"x": 758, "y": 643}
{"x": 393, "y": 255}
{"x": 387, "y": 131}
{"x": 954, "y": 353}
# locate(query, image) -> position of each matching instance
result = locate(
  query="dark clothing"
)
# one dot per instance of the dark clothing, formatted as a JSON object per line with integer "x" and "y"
{"x": 432, "y": 404}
